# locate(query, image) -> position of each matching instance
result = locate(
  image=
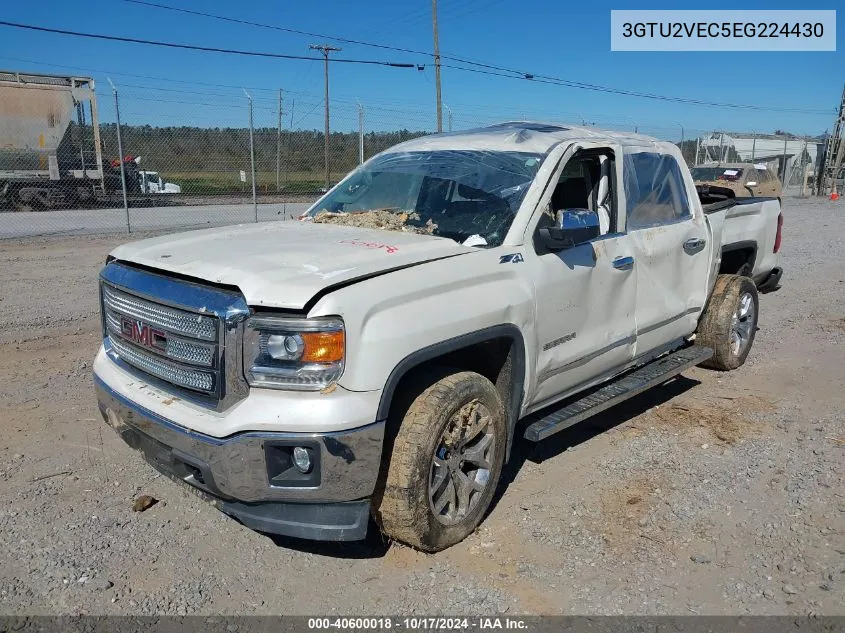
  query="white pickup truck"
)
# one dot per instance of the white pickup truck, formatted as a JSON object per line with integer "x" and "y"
{"x": 152, "y": 182}
{"x": 513, "y": 281}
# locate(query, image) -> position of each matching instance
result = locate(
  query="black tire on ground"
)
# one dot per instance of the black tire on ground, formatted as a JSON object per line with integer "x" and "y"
{"x": 450, "y": 441}
{"x": 729, "y": 322}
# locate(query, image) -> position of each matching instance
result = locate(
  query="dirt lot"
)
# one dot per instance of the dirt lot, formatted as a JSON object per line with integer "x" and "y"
{"x": 717, "y": 493}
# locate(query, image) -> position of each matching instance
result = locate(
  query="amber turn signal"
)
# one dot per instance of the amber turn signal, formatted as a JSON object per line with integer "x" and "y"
{"x": 323, "y": 347}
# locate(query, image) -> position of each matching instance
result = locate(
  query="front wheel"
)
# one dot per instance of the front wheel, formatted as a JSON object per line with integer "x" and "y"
{"x": 445, "y": 464}
{"x": 729, "y": 322}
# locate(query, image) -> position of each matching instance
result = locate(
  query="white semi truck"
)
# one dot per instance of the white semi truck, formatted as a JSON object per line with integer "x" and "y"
{"x": 50, "y": 149}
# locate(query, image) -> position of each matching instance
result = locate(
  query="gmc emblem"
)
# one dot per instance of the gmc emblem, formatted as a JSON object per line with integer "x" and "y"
{"x": 143, "y": 334}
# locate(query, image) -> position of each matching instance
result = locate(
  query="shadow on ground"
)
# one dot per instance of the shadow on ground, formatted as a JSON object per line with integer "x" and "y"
{"x": 376, "y": 545}
{"x": 584, "y": 431}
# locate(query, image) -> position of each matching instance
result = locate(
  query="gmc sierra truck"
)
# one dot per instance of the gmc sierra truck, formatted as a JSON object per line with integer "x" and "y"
{"x": 380, "y": 356}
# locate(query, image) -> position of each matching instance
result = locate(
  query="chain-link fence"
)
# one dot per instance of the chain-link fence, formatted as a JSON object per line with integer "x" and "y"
{"x": 792, "y": 158}
{"x": 208, "y": 157}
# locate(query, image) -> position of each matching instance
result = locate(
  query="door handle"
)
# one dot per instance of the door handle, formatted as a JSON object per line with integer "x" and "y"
{"x": 623, "y": 263}
{"x": 694, "y": 245}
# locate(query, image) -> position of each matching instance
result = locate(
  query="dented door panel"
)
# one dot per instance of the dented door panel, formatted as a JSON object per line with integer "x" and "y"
{"x": 671, "y": 281}
{"x": 587, "y": 306}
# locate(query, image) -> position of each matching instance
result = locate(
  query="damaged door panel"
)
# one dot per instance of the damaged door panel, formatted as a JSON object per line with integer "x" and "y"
{"x": 669, "y": 240}
{"x": 586, "y": 293}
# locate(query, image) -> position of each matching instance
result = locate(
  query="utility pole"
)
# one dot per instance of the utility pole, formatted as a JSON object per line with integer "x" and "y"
{"x": 437, "y": 65}
{"x": 325, "y": 49}
{"x": 120, "y": 153}
{"x": 834, "y": 154}
{"x": 279, "y": 145}
{"x": 252, "y": 156}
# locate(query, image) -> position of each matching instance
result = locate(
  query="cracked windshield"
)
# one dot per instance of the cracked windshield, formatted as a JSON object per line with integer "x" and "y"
{"x": 465, "y": 195}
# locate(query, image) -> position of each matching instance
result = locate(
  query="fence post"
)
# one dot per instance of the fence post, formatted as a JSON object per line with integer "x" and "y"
{"x": 120, "y": 152}
{"x": 783, "y": 181}
{"x": 279, "y": 144}
{"x": 804, "y": 164}
{"x": 360, "y": 134}
{"x": 753, "y": 146}
{"x": 252, "y": 156}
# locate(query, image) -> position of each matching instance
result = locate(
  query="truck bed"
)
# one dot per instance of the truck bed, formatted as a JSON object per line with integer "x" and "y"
{"x": 748, "y": 234}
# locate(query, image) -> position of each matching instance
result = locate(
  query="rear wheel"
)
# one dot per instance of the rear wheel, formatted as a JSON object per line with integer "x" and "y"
{"x": 445, "y": 464}
{"x": 729, "y": 322}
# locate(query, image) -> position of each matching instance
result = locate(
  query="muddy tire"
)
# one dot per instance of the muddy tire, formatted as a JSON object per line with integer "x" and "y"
{"x": 729, "y": 322}
{"x": 445, "y": 463}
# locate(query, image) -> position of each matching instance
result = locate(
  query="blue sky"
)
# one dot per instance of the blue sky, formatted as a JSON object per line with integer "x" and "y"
{"x": 555, "y": 38}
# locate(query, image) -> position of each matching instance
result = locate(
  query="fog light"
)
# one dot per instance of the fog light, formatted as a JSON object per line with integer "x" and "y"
{"x": 302, "y": 459}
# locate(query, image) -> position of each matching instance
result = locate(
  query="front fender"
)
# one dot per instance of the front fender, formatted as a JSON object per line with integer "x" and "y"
{"x": 393, "y": 316}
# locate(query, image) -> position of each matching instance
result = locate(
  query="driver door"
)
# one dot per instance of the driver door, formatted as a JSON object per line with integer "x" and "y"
{"x": 585, "y": 294}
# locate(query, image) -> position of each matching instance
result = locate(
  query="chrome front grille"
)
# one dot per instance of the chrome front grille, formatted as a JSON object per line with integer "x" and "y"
{"x": 176, "y": 321}
{"x": 175, "y": 331}
{"x": 169, "y": 343}
{"x": 173, "y": 347}
{"x": 160, "y": 368}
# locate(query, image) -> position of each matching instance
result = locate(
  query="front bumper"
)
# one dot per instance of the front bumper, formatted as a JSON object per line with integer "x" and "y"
{"x": 248, "y": 477}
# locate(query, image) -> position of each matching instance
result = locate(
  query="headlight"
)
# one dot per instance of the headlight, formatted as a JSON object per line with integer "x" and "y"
{"x": 291, "y": 353}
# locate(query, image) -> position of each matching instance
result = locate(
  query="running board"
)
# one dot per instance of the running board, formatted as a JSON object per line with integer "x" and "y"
{"x": 629, "y": 385}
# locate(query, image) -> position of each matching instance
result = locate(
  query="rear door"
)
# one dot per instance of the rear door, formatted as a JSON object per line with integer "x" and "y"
{"x": 670, "y": 246}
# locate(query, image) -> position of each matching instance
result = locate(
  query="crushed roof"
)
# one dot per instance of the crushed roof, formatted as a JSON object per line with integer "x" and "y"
{"x": 520, "y": 136}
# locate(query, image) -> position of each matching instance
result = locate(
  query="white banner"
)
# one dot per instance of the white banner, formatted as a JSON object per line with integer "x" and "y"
{"x": 720, "y": 30}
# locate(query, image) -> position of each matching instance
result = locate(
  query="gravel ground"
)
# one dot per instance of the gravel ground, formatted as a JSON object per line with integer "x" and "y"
{"x": 714, "y": 494}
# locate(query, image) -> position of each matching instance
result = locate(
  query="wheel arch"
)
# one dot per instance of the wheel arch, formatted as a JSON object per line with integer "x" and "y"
{"x": 508, "y": 352}
{"x": 737, "y": 255}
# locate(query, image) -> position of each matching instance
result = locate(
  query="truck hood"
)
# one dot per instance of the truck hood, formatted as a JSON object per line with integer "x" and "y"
{"x": 284, "y": 264}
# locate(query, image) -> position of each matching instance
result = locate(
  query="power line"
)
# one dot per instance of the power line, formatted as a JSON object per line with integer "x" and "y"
{"x": 497, "y": 71}
{"x": 484, "y": 69}
{"x": 158, "y": 78}
{"x": 275, "y": 27}
{"x": 345, "y": 40}
{"x": 544, "y": 79}
{"x": 230, "y": 51}
{"x": 200, "y": 83}
{"x": 465, "y": 108}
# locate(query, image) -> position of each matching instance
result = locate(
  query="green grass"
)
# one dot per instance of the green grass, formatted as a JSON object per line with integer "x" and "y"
{"x": 210, "y": 183}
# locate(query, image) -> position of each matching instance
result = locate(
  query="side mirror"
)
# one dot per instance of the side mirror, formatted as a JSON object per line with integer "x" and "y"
{"x": 751, "y": 183}
{"x": 573, "y": 227}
